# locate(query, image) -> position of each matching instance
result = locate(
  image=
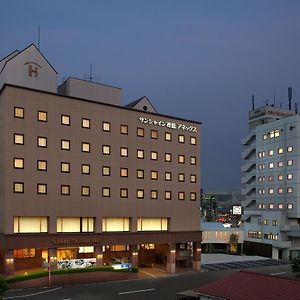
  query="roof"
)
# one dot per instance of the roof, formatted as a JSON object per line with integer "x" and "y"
{"x": 212, "y": 226}
{"x": 252, "y": 286}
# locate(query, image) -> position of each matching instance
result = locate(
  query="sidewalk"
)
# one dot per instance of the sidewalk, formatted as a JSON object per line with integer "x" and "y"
{"x": 216, "y": 258}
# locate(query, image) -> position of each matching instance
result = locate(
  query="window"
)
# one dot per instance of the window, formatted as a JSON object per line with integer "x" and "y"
{"x": 193, "y": 160}
{"x": 266, "y": 221}
{"x": 42, "y": 141}
{"x": 168, "y": 136}
{"x": 193, "y": 140}
{"x": 86, "y": 249}
{"x": 124, "y": 172}
{"x": 106, "y": 150}
{"x": 265, "y": 137}
{"x": 280, "y": 190}
{"x": 271, "y": 152}
{"x": 18, "y": 187}
{"x": 152, "y": 224}
{"x": 181, "y": 195}
{"x": 42, "y": 165}
{"x": 290, "y": 162}
{"x": 168, "y": 195}
{"x": 42, "y": 188}
{"x": 154, "y": 175}
{"x": 24, "y": 253}
{"x": 124, "y": 129}
{"x": 140, "y": 174}
{"x": 280, "y": 177}
{"x": 274, "y": 134}
{"x": 85, "y": 147}
{"x": 154, "y": 134}
{"x": 280, "y": 150}
{"x": 65, "y": 120}
{"x": 181, "y": 159}
{"x": 193, "y": 196}
{"x": 105, "y": 126}
{"x": 181, "y": 138}
{"x": 19, "y": 112}
{"x": 254, "y": 234}
{"x": 261, "y": 191}
{"x": 123, "y": 193}
{"x": 106, "y": 171}
{"x": 193, "y": 178}
{"x": 124, "y": 152}
{"x": 168, "y": 157}
{"x": 30, "y": 224}
{"x": 140, "y": 194}
{"x": 18, "y": 163}
{"x": 289, "y": 176}
{"x": 280, "y": 164}
{"x": 85, "y": 123}
{"x": 289, "y": 190}
{"x": 289, "y": 149}
{"x": 280, "y": 206}
{"x": 271, "y": 165}
{"x": 271, "y": 206}
{"x": 105, "y": 192}
{"x": 42, "y": 116}
{"x": 140, "y": 153}
{"x": 289, "y": 206}
{"x": 65, "y": 167}
{"x": 271, "y": 178}
{"x": 140, "y": 131}
{"x": 85, "y": 191}
{"x": 65, "y": 145}
{"x": 75, "y": 224}
{"x": 274, "y": 222}
{"x": 154, "y": 155}
{"x": 115, "y": 224}
{"x": 65, "y": 190}
{"x": 153, "y": 194}
{"x": 168, "y": 176}
{"x": 181, "y": 177}
{"x": 85, "y": 169}
{"x": 19, "y": 139}
{"x": 271, "y": 191}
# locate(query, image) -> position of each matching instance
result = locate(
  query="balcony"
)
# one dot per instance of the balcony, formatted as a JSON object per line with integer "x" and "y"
{"x": 247, "y": 201}
{"x": 249, "y": 176}
{"x": 246, "y": 140}
{"x": 284, "y": 227}
{"x": 249, "y": 189}
{"x": 247, "y": 152}
{"x": 282, "y": 244}
{"x": 294, "y": 231}
{"x": 252, "y": 212}
{"x": 248, "y": 165}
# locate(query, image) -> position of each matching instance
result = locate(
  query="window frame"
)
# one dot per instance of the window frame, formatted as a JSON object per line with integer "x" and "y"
{"x": 83, "y": 120}
{"x": 40, "y": 113}
{"x": 68, "y": 187}
{"x": 65, "y": 163}
{"x": 38, "y": 166}
{"x": 39, "y": 139}
{"x": 63, "y": 121}
{"x": 68, "y": 142}
{"x": 18, "y": 183}
{"x": 21, "y": 109}
{"x": 40, "y": 185}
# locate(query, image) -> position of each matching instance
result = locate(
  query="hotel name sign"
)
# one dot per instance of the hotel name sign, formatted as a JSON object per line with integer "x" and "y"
{"x": 167, "y": 124}
{"x": 76, "y": 241}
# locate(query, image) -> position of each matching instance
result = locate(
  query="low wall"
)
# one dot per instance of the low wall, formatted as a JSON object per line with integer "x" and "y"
{"x": 75, "y": 278}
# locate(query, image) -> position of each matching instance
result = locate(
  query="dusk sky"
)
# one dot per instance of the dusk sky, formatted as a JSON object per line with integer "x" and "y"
{"x": 195, "y": 59}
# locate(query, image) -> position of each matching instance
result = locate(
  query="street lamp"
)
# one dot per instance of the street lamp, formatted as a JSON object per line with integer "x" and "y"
{"x": 51, "y": 260}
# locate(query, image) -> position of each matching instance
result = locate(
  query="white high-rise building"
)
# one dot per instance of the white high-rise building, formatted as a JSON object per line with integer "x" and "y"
{"x": 271, "y": 182}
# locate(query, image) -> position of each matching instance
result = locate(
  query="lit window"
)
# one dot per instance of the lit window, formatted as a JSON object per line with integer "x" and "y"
{"x": 140, "y": 131}
{"x": 42, "y": 188}
{"x": 65, "y": 120}
{"x": 106, "y": 150}
{"x": 289, "y": 190}
{"x": 85, "y": 191}
{"x": 266, "y": 221}
{"x": 18, "y": 187}
{"x": 116, "y": 225}
{"x": 271, "y": 165}
{"x": 154, "y": 134}
{"x": 124, "y": 172}
{"x": 290, "y": 162}
{"x": 168, "y": 176}
{"x": 280, "y": 190}
{"x": 168, "y": 195}
{"x": 105, "y": 126}
{"x": 193, "y": 140}
{"x": 271, "y": 152}
{"x": 18, "y": 163}
{"x": 42, "y": 165}
{"x": 259, "y": 206}
{"x": 181, "y": 177}
{"x": 124, "y": 152}
{"x": 65, "y": 167}
{"x": 289, "y": 206}
{"x": 19, "y": 112}
{"x": 181, "y": 159}
{"x": 154, "y": 175}
{"x": 85, "y": 123}
{"x": 168, "y": 157}
{"x": 152, "y": 224}
{"x": 124, "y": 129}
{"x": 30, "y": 224}
{"x": 280, "y": 177}
{"x": 193, "y": 178}
{"x": 85, "y": 147}
{"x": 124, "y": 193}
{"x": 271, "y": 178}
{"x": 106, "y": 192}
{"x": 154, "y": 155}
{"x": 289, "y": 149}
{"x": 73, "y": 224}
{"x": 42, "y": 142}
{"x": 65, "y": 144}
{"x": 106, "y": 171}
{"x": 153, "y": 194}
{"x": 140, "y": 174}
{"x": 140, "y": 194}
{"x": 274, "y": 222}
{"x": 280, "y": 164}
{"x": 193, "y": 160}
{"x": 65, "y": 190}
{"x": 193, "y": 196}
{"x": 181, "y": 138}
{"x": 85, "y": 169}
{"x": 280, "y": 150}
{"x": 265, "y": 136}
{"x": 271, "y": 206}
{"x": 271, "y": 191}
{"x": 181, "y": 196}
{"x": 168, "y": 136}
{"x": 274, "y": 134}
{"x": 289, "y": 176}
{"x": 42, "y": 116}
{"x": 280, "y": 206}
{"x": 140, "y": 153}
{"x": 19, "y": 139}
{"x": 261, "y": 191}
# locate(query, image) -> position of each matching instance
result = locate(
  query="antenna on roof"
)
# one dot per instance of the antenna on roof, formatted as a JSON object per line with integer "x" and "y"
{"x": 274, "y": 98}
{"x": 39, "y": 36}
{"x": 296, "y": 108}
{"x": 91, "y": 77}
{"x": 253, "y": 102}
{"x": 290, "y": 97}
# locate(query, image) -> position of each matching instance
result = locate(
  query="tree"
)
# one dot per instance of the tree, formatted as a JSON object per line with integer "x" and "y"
{"x": 233, "y": 243}
{"x": 295, "y": 264}
{"x": 3, "y": 285}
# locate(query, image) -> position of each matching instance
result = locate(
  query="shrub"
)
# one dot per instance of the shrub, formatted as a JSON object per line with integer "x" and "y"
{"x": 295, "y": 264}
{"x": 3, "y": 285}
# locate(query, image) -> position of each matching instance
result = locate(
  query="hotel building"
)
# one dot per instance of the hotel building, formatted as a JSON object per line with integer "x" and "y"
{"x": 83, "y": 176}
{"x": 271, "y": 183}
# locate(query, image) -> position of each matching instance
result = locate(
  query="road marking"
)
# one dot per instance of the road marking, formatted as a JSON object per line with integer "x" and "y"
{"x": 148, "y": 274}
{"x": 34, "y": 294}
{"x": 137, "y": 291}
{"x": 278, "y": 273}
